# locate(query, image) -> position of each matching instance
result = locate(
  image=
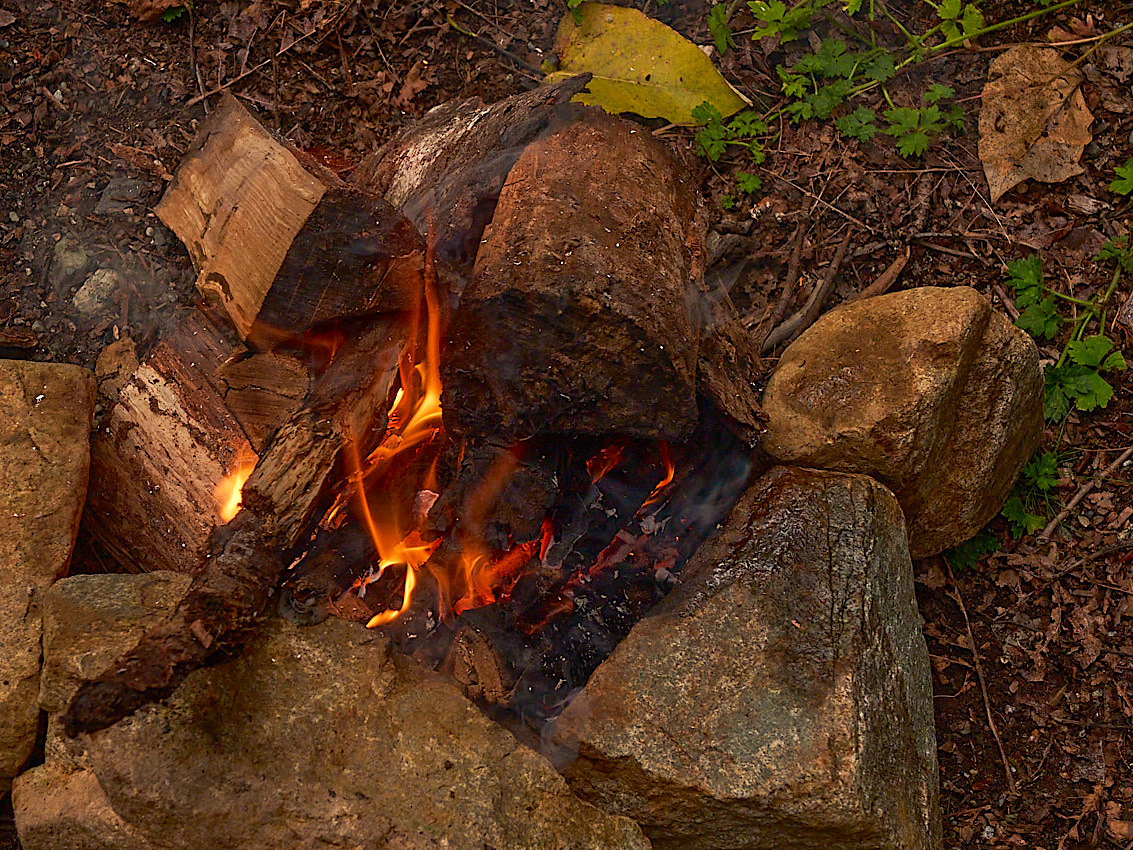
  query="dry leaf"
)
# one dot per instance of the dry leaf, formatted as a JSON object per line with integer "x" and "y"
{"x": 1117, "y": 61}
{"x": 414, "y": 84}
{"x": 6, "y": 18}
{"x": 639, "y": 65}
{"x": 1034, "y": 122}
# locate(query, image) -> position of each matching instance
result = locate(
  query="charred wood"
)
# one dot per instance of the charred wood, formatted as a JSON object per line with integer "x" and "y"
{"x": 581, "y": 317}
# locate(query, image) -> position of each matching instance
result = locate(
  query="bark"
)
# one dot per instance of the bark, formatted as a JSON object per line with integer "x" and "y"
{"x": 582, "y": 316}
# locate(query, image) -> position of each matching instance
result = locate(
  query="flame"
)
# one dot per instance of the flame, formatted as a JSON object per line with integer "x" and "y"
{"x": 414, "y": 420}
{"x": 607, "y": 459}
{"x": 229, "y": 492}
{"x": 667, "y": 478}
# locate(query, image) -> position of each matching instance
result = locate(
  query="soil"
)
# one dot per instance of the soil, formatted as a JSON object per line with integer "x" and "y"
{"x": 97, "y": 107}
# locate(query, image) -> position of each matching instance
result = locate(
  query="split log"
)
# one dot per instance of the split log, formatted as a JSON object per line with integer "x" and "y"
{"x": 247, "y": 557}
{"x": 581, "y": 316}
{"x": 262, "y": 392}
{"x": 161, "y": 452}
{"x": 282, "y": 249}
{"x": 445, "y": 172}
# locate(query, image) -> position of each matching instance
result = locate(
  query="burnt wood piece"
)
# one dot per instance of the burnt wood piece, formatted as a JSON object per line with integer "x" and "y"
{"x": 232, "y": 591}
{"x": 355, "y": 255}
{"x": 161, "y": 452}
{"x": 281, "y": 243}
{"x": 445, "y": 172}
{"x": 263, "y": 391}
{"x": 582, "y": 316}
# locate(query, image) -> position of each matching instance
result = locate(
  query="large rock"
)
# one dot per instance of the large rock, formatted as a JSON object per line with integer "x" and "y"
{"x": 44, "y": 461}
{"x": 930, "y": 391}
{"x": 318, "y": 738}
{"x": 781, "y": 696}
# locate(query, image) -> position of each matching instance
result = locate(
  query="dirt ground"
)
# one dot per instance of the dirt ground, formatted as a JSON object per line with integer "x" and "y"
{"x": 97, "y": 108}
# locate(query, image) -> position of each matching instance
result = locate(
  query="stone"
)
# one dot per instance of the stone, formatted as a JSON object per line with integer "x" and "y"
{"x": 57, "y": 808}
{"x": 69, "y": 262}
{"x": 781, "y": 695}
{"x": 319, "y": 737}
{"x": 930, "y": 391}
{"x": 44, "y": 463}
{"x": 90, "y": 621}
{"x": 96, "y": 292}
{"x": 122, "y": 194}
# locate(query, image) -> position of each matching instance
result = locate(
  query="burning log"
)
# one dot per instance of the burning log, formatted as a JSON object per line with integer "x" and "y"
{"x": 582, "y": 315}
{"x": 162, "y": 452}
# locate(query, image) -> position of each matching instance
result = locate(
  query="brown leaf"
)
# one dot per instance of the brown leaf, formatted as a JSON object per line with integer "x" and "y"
{"x": 1034, "y": 122}
{"x": 6, "y": 18}
{"x": 414, "y": 84}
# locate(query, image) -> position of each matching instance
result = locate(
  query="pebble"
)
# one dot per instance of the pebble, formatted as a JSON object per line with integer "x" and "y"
{"x": 14, "y": 217}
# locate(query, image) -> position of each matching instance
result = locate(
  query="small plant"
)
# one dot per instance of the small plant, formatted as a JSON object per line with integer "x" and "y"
{"x": 965, "y": 556}
{"x": 959, "y": 20}
{"x": 174, "y": 13}
{"x": 1123, "y": 185}
{"x": 718, "y": 26}
{"x": 777, "y": 19}
{"x": 912, "y": 128}
{"x": 1027, "y": 507}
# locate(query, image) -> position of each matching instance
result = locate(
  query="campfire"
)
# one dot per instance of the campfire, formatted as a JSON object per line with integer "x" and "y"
{"x": 525, "y": 411}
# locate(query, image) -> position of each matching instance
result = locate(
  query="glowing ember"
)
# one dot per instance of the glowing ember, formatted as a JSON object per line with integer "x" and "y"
{"x": 229, "y": 491}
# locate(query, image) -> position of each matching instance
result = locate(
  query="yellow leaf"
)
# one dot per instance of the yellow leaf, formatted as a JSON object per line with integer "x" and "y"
{"x": 640, "y": 66}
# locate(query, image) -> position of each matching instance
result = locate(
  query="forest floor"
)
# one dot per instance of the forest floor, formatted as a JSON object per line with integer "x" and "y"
{"x": 97, "y": 107}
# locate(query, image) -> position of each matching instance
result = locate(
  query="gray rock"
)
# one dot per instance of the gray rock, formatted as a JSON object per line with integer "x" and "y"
{"x": 96, "y": 291}
{"x": 121, "y": 194}
{"x": 44, "y": 461}
{"x": 930, "y": 391}
{"x": 317, "y": 738}
{"x": 89, "y": 621}
{"x": 781, "y": 697}
{"x": 69, "y": 262}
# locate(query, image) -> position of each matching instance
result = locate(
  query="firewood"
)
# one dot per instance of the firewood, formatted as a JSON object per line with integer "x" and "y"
{"x": 446, "y": 171}
{"x": 246, "y": 557}
{"x": 581, "y": 316}
{"x": 280, "y": 248}
{"x": 262, "y": 391}
{"x": 161, "y": 452}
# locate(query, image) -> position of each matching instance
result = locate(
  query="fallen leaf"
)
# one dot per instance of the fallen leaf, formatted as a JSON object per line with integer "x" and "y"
{"x": 1034, "y": 122}
{"x": 6, "y": 18}
{"x": 1117, "y": 61}
{"x": 414, "y": 84}
{"x": 640, "y": 66}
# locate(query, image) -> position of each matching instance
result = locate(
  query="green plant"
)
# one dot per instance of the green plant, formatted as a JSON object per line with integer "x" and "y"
{"x": 959, "y": 20}
{"x": 718, "y": 26}
{"x": 912, "y": 128}
{"x": 1123, "y": 185}
{"x": 777, "y": 19}
{"x": 174, "y": 13}
{"x": 1027, "y": 507}
{"x": 965, "y": 556}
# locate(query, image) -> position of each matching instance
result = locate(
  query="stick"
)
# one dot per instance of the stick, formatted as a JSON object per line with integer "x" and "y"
{"x": 980, "y": 675}
{"x": 805, "y": 317}
{"x": 887, "y": 278}
{"x": 1084, "y": 491}
{"x": 794, "y": 265}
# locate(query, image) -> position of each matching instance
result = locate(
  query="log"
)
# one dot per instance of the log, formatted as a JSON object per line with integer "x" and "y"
{"x": 280, "y": 247}
{"x": 161, "y": 452}
{"x": 262, "y": 391}
{"x": 445, "y": 172}
{"x": 581, "y": 316}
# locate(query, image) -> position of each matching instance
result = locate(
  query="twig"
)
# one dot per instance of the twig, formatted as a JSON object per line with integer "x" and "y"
{"x": 794, "y": 265}
{"x": 818, "y": 200}
{"x": 805, "y": 317}
{"x": 1083, "y": 491}
{"x": 196, "y": 69}
{"x": 980, "y": 676}
{"x": 54, "y": 101}
{"x": 1007, "y": 302}
{"x": 887, "y": 278}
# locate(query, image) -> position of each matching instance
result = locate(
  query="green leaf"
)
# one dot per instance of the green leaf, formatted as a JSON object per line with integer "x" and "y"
{"x": 859, "y": 124}
{"x": 718, "y": 26}
{"x": 727, "y": 202}
{"x": 852, "y": 7}
{"x": 746, "y": 125}
{"x": 901, "y": 119}
{"x": 1092, "y": 391}
{"x": 912, "y": 144}
{"x": 973, "y": 20}
{"x": 748, "y": 183}
{"x": 639, "y": 65}
{"x": 1020, "y": 520}
{"x": 1025, "y": 273}
{"x": 880, "y": 68}
{"x": 1124, "y": 184}
{"x": 1041, "y": 320}
{"x": 1114, "y": 363}
{"x": 1041, "y": 472}
{"x": 936, "y": 93}
{"x": 1090, "y": 351}
{"x": 949, "y": 10}
{"x": 778, "y": 19}
{"x": 965, "y": 556}
{"x": 1119, "y": 249}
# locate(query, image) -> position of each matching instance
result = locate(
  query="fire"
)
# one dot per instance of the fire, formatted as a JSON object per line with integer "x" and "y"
{"x": 667, "y": 478}
{"x": 229, "y": 491}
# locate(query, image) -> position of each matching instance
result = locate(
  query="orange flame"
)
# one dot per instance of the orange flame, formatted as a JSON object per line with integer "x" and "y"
{"x": 607, "y": 459}
{"x": 667, "y": 478}
{"x": 414, "y": 420}
{"x": 229, "y": 492}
